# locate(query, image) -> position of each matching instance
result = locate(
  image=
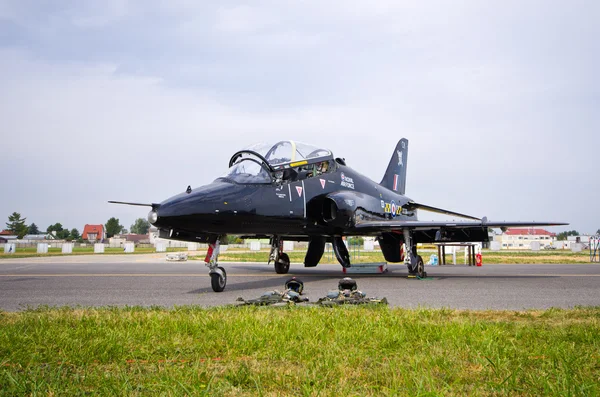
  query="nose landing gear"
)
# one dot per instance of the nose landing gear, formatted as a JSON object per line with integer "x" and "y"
{"x": 218, "y": 275}
{"x": 280, "y": 258}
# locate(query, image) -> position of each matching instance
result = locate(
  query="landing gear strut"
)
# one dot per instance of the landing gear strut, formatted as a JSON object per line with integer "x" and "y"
{"x": 414, "y": 262}
{"x": 218, "y": 276}
{"x": 280, "y": 258}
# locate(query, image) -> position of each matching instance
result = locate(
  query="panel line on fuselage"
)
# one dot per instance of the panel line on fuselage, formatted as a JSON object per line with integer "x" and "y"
{"x": 304, "y": 194}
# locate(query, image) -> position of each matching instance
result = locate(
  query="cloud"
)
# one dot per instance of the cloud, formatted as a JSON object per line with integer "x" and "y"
{"x": 136, "y": 100}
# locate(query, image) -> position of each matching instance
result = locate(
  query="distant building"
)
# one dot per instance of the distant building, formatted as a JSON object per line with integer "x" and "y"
{"x": 7, "y": 235}
{"x": 521, "y": 238}
{"x": 93, "y": 233}
{"x": 120, "y": 240}
{"x": 135, "y": 238}
{"x": 43, "y": 236}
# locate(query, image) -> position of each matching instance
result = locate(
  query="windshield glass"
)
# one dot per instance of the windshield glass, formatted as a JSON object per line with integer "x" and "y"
{"x": 248, "y": 171}
{"x": 249, "y": 167}
{"x": 288, "y": 151}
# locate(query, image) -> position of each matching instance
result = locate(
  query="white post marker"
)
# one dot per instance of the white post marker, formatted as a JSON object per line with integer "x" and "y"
{"x": 98, "y": 248}
{"x": 67, "y": 248}
{"x": 129, "y": 248}
{"x": 287, "y": 246}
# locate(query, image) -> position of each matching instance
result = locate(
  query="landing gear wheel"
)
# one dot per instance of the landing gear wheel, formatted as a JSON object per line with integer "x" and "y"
{"x": 282, "y": 265}
{"x": 217, "y": 281}
{"x": 420, "y": 271}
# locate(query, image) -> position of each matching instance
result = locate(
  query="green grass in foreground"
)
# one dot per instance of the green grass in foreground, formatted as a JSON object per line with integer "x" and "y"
{"x": 341, "y": 351}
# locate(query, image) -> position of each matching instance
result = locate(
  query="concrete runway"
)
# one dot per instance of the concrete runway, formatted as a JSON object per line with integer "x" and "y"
{"x": 119, "y": 280}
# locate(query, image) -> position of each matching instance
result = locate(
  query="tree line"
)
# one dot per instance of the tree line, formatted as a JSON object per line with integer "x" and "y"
{"x": 17, "y": 226}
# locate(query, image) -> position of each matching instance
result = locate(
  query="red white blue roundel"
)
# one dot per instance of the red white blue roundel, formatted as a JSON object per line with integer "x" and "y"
{"x": 393, "y": 208}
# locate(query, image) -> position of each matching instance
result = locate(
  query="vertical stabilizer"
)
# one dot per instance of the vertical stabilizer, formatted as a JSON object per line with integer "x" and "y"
{"x": 395, "y": 175}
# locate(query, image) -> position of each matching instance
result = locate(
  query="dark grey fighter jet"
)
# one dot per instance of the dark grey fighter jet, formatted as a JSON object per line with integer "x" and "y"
{"x": 293, "y": 191}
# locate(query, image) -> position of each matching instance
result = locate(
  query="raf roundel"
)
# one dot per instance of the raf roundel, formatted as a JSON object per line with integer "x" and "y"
{"x": 393, "y": 209}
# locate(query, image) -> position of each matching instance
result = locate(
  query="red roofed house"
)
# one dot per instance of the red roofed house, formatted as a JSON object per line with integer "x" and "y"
{"x": 521, "y": 238}
{"x": 93, "y": 233}
{"x": 7, "y": 235}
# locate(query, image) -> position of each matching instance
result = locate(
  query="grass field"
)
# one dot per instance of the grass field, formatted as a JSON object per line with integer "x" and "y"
{"x": 299, "y": 351}
{"x": 32, "y": 252}
{"x": 241, "y": 255}
{"x": 490, "y": 257}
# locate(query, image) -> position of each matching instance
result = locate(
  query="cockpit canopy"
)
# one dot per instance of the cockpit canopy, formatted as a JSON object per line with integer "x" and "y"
{"x": 263, "y": 163}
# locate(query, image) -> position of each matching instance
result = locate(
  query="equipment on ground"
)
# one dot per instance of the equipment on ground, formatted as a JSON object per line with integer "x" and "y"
{"x": 291, "y": 295}
{"x": 348, "y": 294}
{"x": 177, "y": 256}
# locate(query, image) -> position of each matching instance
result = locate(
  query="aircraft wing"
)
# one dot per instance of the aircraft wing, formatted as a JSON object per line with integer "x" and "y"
{"x": 391, "y": 226}
{"x": 418, "y": 206}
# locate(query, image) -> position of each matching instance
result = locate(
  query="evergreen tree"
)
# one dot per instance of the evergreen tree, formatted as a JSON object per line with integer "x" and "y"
{"x": 75, "y": 234}
{"x": 33, "y": 229}
{"x": 16, "y": 225}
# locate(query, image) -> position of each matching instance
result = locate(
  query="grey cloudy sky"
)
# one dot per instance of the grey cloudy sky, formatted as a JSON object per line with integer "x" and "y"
{"x": 135, "y": 100}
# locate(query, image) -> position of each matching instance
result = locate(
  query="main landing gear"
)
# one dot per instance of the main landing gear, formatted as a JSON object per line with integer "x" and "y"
{"x": 280, "y": 258}
{"x": 415, "y": 264}
{"x": 218, "y": 275}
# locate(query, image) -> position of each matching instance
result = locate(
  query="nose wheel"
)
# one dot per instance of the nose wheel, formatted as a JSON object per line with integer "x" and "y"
{"x": 218, "y": 279}
{"x": 218, "y": 275}
{"x": 282, "y": 264}
{"x": 279, "y": 258}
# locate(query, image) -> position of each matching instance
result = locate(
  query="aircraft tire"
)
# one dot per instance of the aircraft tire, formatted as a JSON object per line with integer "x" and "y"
{"x": 420, "y": 267}
{"x": 217, "y": 281}
{"x": 282, "y": 265}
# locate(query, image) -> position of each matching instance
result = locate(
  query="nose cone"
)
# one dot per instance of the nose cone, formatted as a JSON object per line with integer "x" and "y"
{"x": 198, "y": 209}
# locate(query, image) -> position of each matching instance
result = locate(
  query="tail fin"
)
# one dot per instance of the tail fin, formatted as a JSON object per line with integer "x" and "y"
{"x": 395, "y": 175}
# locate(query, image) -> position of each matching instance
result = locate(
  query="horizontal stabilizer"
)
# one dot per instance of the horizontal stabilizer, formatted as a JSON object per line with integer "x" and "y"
{"x": 416, "y": 206}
